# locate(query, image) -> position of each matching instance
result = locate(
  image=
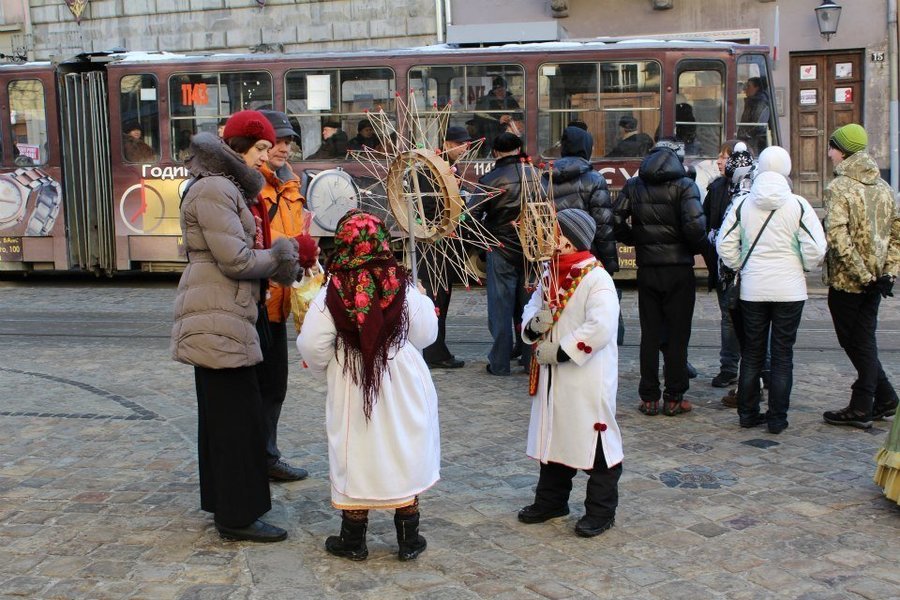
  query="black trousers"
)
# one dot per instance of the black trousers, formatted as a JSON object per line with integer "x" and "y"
{"x": 439, "y": 292}
{"x": 855, "y": 318}
{"x": 602, "y": 499}
{"x": 234, "y": 481}
{"x": 666, "y": 297}
{"x": 273, "y": 378}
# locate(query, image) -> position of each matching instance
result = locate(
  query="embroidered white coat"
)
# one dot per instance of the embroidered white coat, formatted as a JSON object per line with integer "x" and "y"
{"x": 576, "y": 400}
{"x": 397, "y": 454}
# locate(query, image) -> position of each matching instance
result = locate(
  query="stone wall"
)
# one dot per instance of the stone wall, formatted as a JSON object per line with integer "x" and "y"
{"x": 230, "y": 25}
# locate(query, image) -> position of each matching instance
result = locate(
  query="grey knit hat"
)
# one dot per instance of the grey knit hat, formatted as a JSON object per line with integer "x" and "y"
{"x": 578, "y": 227}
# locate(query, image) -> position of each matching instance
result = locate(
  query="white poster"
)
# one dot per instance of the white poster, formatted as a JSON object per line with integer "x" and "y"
{"x": 843, "y": 70}
{"x": 318, "y": 92}
{"x": 843, "y": 95}
{"x": 807, "y": 72}
{"x": 808, "y": 97}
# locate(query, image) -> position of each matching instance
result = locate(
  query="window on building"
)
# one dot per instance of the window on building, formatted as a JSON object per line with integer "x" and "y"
{"x": 330, "y": 106}
{"x": 485, "y": 99}
{"x": 754, "y": 107}
{"x": 28, "y": 122}
{"x": 139, "y": 107}
{"x": 700, "y": 107}
{"x": 199, "y": 101}
{"x": 618, "y": 102}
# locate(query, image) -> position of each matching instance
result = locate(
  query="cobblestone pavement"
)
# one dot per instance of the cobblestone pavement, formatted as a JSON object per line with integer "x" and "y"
{"x": 99, "y": 495}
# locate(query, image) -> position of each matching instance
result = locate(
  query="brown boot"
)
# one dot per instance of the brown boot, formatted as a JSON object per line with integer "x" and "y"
{"x": 730, "y": 399}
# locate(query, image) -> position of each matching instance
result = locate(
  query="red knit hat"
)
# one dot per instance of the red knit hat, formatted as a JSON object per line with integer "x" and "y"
{"x": 249, "y": 124}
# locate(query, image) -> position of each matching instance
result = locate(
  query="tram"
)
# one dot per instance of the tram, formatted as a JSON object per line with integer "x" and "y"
{"x": 91, "y": 149}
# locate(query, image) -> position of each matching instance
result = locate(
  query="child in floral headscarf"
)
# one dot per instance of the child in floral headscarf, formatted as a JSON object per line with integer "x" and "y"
{"x": 366, "y": 331}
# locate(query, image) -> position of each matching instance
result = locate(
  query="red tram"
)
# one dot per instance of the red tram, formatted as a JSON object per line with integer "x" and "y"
{"x": 91, "y": 148}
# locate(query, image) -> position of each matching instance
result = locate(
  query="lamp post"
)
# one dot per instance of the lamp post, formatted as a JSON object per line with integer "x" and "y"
{"x": 828, "y": 14}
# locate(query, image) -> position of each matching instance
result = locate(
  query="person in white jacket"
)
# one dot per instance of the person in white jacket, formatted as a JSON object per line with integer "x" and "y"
{"x": 366, "y": 331}
{"x": 783, "y": 237}
{"x": 573, "y": 414}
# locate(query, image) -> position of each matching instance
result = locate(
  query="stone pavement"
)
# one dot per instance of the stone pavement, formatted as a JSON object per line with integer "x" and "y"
{"x": 99, "y": 498}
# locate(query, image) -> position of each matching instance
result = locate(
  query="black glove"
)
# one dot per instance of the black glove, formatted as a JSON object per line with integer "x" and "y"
{"x": 884, "y": 285}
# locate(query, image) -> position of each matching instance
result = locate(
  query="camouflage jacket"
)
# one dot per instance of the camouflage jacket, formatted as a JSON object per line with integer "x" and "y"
{"x": 862, "y": 225}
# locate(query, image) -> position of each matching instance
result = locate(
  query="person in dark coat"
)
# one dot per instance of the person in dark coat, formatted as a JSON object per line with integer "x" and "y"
{"x": 334, "y": 142}
{"x": 505, "y": 264}
{"x": 659, "y": 213}
{"x": 365, "y": 138}
{"x": 576, "y": 184}
{"x": 632, "y": 143}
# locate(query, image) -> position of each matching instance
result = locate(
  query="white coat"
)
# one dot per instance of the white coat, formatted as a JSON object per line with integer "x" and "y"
{"x": 576, "y": 400}
{"x": 388, "y": 460}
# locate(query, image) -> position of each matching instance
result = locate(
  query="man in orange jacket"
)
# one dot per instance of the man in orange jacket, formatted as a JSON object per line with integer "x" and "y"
{"x": 284, "y": 203}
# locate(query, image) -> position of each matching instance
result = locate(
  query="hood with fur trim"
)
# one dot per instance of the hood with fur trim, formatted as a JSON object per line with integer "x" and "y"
{"x": 210, "y": 155}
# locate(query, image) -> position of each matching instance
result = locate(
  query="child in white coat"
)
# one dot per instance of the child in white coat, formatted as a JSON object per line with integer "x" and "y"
{"x": 573, "y": 415}
{"x": 366, "y": 331}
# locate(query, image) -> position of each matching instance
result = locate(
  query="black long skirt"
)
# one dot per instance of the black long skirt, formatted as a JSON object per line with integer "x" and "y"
{"x": 234, "y": 480}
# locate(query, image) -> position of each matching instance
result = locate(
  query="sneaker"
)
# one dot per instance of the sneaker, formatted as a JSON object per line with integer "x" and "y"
{"x": 534, "y": 513}
{"x": 730, "y": 399}
{"x": 848, "y": 416}
{"x": 592, "y": 526}
{"x": 880, "y": 412}
{"x": 724, "y": 379}
{"x": 283, "y": 471}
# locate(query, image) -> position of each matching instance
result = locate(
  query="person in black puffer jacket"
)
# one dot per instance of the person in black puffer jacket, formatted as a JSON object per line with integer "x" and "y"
{"x": 659, "y": 212}
{"x": 505, "y": 264}
{"x": 576, "y": 184}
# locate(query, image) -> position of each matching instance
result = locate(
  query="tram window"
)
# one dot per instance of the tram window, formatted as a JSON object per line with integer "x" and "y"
{"x": 28, "y": 122}
{"x": 618, "y": 101}
{"x": 756, "y": 116}
{"x": 139, "y": 108}
{"x": 485, "y": 99}
{"x": 330, "y": 106}
{"x": 197, "y": 101}
{"x": 700, "y": 107}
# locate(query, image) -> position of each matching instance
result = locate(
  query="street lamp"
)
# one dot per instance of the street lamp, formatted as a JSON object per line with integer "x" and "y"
{"x": 828, "y": 14}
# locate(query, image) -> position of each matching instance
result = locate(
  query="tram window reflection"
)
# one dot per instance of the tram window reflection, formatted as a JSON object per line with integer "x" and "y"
{"x": 700, "y": 107}
{"x": 28, "y": 122}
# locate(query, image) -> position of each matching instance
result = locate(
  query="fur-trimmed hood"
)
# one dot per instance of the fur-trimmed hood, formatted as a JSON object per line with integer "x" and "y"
{"x": 210, "y": 155}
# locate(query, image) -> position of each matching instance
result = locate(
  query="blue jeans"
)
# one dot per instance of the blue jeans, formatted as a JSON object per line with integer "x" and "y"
{"x": 780, "y": 320}
{"x": 504, "y": 279}
{"x": 730, "y": 351}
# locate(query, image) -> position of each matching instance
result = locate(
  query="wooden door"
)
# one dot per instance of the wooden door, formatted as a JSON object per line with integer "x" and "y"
{"x": 826, "y": 92}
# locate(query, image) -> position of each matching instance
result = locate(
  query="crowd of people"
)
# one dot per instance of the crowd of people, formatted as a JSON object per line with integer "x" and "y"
{"x": 375, "y": 336}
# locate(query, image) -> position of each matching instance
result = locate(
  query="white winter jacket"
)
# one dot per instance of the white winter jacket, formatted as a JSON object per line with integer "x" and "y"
{"x": 792, "y": 242}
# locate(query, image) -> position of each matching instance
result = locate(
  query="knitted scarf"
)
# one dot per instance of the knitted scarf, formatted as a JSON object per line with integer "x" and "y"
{"x": 365, "y": 296}
{"x": 564, "y": 275}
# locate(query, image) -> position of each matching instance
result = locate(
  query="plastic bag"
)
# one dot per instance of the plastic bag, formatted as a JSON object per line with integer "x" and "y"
{"x": 303, "y": 292}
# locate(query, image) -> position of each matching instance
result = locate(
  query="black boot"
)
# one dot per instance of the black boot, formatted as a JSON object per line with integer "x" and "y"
{"x": 352, "y": 541}
{"x": 411, "y": 543}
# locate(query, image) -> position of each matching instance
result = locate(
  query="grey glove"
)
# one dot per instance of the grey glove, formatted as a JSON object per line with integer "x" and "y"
{"x": 284, "y": 250}
{"x": 546, "y": 353}
{"x": 541, "y": 322}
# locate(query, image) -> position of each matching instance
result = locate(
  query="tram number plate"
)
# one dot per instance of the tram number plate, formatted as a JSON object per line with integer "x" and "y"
{"x": 10, "y": 249}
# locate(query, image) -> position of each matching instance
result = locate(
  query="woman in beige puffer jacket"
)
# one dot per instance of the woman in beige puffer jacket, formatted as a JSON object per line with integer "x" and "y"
{"x": 215, "y": 319}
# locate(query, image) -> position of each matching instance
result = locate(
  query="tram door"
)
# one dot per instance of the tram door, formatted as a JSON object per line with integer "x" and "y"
{"x": 86, "y": 165}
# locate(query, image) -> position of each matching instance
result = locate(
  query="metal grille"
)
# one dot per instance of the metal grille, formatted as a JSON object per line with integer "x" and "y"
{"x": 88, "y": 180}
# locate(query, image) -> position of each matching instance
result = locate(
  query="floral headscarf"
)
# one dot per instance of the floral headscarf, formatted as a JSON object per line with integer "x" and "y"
{"x": 365, "y": 296}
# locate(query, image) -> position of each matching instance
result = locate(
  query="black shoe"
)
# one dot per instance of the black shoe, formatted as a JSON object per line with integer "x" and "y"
{"x": 447, "y": 363}
{"x": 257, "y": 531}
{"x": 591, "y": 526}
{"x": 691, "y": 371}
{"x": 777, "y": 428}
{"x": 491, "y": 371}
{"x": 754, "y": 421}
{"x": 536, "y": 514}
{"x": 352, "y": 541}
{"x": 282, "y": 471}
{"x": 724, "y": 379}
{"x": 848, "y": 416}
{"x": 880, "y": 412}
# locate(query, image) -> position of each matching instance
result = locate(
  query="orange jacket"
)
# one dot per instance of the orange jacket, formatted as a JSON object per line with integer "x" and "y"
{"x": 286, "y": 222}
